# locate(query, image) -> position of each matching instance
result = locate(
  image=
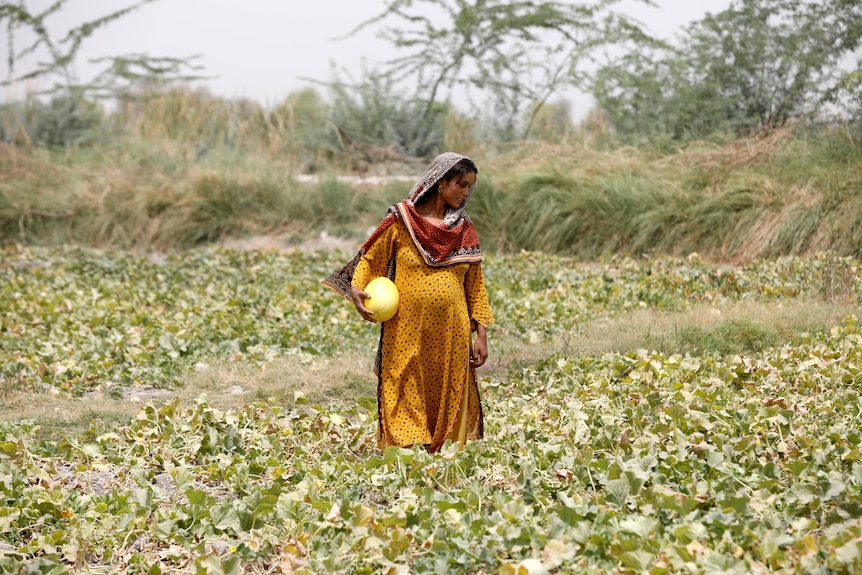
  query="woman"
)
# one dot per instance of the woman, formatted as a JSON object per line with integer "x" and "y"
{"x": 427, "y": 391}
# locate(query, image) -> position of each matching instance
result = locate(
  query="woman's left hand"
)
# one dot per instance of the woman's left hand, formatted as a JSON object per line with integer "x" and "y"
{"x": 480, "y": 348}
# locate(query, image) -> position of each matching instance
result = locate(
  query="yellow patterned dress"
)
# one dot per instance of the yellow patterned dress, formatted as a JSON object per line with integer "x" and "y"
{"x": 427, "y": 391}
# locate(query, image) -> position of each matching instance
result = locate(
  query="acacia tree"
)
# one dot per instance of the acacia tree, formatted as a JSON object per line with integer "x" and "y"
{"x": 757, "y": 64}
{"x": 521, "y": 53}
{"x": 71, "y": 111}
{"x": 118, "y": 72}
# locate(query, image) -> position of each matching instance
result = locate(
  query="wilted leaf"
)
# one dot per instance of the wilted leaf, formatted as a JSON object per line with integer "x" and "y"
{"x": 525, "y": 567}
{"x": 556, "y": 553}
{"x": 639, "y": 560}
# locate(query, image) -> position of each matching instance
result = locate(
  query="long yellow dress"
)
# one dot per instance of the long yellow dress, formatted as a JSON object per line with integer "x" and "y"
{"x": 427, "y": 389}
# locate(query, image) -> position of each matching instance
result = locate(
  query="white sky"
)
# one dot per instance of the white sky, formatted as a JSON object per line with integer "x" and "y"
{"x": 262, "y": 49}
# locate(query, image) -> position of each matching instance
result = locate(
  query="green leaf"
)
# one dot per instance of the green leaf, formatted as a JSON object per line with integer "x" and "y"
{"x": 225, "y": 518}
{"x": 690, "y": 532}
{"x": 849, "y": 552}
{"x": 92, "y": 449}
{"x": 617, "y": 492}
{"x": 640, "y": 526}
{"x": 556, "y": 553}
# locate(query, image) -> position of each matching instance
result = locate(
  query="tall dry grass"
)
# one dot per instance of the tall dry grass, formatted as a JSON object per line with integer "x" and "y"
{"x": 190, "y": 168}
{"x": 775, "y": 194}
{"x": 146, "y": 196}
{"x": 294, "y": 132}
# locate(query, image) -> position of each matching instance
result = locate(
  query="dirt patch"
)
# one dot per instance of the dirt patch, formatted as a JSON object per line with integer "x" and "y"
{"x": 136, "y": 394}
{"x": 281, "y": 243}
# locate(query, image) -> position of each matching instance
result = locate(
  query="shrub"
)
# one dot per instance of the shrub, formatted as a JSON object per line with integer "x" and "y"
{"x": 61, "y": 122}
{"x": 373, "y": 114}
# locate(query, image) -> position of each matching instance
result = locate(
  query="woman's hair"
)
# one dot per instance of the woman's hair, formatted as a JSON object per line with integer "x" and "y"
{"x": 462, "y": 167}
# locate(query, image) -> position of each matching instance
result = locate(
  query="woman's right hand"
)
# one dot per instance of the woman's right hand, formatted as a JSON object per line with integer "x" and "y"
{"x": 358, "y": 296}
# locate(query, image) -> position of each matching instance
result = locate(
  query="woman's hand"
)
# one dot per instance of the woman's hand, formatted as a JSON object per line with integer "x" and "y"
{"x": 480, "y": 347}
{"x": 358, "y": 296}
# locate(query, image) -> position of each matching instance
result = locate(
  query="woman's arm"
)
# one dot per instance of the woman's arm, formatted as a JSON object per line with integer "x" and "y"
{"x": 477, "y": 298}
{"x": 480, "y": 346}
{"x": 372, "y": 264}
{"x": 480, "y": 312}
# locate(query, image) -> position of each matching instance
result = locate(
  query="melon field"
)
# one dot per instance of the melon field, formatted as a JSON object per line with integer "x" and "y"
{"x": 213, "y": 411}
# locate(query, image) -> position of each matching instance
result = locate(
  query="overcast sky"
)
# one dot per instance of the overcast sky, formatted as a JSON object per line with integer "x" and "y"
{"x": 262, "y": 49}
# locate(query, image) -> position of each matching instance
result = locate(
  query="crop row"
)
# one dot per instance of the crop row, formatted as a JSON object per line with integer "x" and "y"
{"x": 79, "y": 320}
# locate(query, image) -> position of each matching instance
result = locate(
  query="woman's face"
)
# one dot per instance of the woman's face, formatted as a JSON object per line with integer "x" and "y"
{"x": 455, "y": 191}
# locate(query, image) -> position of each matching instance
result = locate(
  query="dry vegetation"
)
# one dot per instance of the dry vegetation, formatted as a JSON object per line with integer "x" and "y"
{"x": 779, "y": 193}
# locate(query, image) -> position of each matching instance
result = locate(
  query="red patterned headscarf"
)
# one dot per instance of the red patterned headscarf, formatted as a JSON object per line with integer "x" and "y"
{"x": 454, "y": 241}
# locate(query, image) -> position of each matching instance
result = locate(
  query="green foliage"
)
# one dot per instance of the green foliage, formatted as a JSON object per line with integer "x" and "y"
{"x": 735, "y": 337}
{"x": 197, "y": 118}
{"x": 518, "y": 53}
{"x": 638, "y": 462}
{"x": 148, "y": 197}
{"x": 77, "y": 320}
{"x": 648, "y": 100}
{"x": 790, "y": 193}
{"x": 738, "y": 200}
{"x": 786, "y": 194}
{"x": 303, "y": 120}
{"x": 766, "y": 58}
{"x": 296, "y": 128}
{"x": 107, "y": 320}
{"x": 553, "y": 122}
{"x": 63, "y": 121}
{"x": 223, "y": 206}
{"x": 757, "y": 64}
{"x": 845, "y": 17}
{"x": 373, "y": 115}
{"x": 622, "y": 212}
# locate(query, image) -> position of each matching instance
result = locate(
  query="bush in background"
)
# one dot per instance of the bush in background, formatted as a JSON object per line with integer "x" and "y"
{"x": 372, "y": 116}
{"x": 61, "y": 122}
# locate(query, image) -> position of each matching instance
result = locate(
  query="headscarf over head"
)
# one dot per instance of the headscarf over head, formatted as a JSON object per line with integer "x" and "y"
{"x": 454, "y": 241}
{"x": 438, "y": 168}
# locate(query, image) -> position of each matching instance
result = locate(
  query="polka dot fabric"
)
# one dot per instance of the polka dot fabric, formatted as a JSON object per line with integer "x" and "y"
{"x": 425, "y": 370}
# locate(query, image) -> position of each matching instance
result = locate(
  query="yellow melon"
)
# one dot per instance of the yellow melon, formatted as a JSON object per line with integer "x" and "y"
{"x": 384, "y": 298}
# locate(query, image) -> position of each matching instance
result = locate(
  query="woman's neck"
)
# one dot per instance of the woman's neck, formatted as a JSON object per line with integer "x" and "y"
{"x": 434, "y": 209}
